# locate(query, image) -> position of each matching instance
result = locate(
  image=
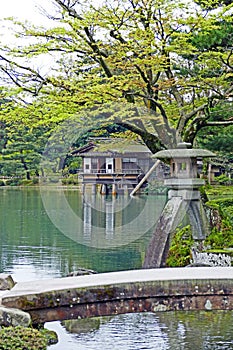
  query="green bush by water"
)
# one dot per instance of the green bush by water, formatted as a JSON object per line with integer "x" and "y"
{"x": 21, "y": 338}
{"x": 70, "y": 180}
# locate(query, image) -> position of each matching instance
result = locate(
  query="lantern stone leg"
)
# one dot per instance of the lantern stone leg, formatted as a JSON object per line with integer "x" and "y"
{"x": 183, "y": 198}
{"x": 169, "y": 219}
{"x": 198, "y": 220}
{"x": 173, "y": 213}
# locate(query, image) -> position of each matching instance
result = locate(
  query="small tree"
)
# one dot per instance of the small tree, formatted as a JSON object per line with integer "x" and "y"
{"x": 21, "y": 153}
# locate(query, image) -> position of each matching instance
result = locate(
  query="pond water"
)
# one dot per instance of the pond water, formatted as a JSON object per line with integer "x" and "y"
{"x": 50, "y": 232}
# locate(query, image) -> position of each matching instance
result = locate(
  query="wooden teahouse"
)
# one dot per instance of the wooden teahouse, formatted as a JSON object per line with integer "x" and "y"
{"x": 115, "y": 164}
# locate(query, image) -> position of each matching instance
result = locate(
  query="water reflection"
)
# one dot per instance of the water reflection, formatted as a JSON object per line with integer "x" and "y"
{"x": 164, "y": 331}
{"x": 99, "y": 221}
{"x": 32, "y": 247}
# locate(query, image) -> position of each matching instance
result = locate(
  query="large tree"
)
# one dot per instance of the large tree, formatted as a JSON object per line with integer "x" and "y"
{"x": 174, "y": 58}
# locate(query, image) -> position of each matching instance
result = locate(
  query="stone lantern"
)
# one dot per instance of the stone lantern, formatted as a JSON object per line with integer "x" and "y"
{"x": 183, "y": 198}
{"x": 183, "y": 169}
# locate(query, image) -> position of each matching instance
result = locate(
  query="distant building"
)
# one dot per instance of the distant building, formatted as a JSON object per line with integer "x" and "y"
{"x": 117, "y": 164}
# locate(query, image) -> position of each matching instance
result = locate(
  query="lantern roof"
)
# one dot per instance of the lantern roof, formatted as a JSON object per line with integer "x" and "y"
{"x": 182, "y": 151}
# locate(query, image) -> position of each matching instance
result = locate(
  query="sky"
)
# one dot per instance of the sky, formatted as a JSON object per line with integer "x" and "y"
{"x": 24, "y": 9}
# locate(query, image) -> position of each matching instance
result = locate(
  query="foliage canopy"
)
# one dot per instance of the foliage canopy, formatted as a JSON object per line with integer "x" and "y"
{"x": 160, "y": 68}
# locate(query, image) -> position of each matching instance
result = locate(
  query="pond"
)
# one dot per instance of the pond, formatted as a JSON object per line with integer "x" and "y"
{"x": 50, "y": 232}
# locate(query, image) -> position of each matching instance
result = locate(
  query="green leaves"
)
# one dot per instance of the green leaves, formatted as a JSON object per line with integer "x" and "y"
{"x": 22, "y": 338}
{"x": 172, "y": 57}
{"x": 180, "y": 249}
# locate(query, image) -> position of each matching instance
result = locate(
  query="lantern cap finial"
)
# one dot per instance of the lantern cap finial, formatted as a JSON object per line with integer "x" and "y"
{"x": 184, "y": 145}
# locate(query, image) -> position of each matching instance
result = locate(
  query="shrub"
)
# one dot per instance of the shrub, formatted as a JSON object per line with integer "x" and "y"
{"x": 224, "y": 207}
{"x": 71, "y": 180}
{"x": 35, "y": 180}
{"x": 222, "y": 237}
{"x": 26, "y": 182}
{"x": 13, "y": 182}
{"x": 64, "y": 181}
{"x": 19, "y": 338}
{"x": 223, "y": 179}
{"x": 180, "y": 250}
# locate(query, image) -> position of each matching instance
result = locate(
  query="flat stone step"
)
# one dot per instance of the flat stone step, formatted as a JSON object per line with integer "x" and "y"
{"x": 120, "y": 277}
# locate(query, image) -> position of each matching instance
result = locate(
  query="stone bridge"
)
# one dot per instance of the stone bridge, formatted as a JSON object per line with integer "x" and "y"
{"x": 151, "y": 290}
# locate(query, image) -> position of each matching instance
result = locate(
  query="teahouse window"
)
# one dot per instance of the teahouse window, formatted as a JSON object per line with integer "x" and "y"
{"x": 87, "y": 165}
{"x": 129, "y": 160}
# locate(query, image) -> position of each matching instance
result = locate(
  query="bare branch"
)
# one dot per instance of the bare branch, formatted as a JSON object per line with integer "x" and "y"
{"x": 69, "y": 8}
{"x": 219, "y": 123}
{"x": 161, "y": 109}
{"x": 29, "y": 69}
{"x": 89, "y": 39}
{"x": 174, "y": 89}
{"x": 184, "y": 119}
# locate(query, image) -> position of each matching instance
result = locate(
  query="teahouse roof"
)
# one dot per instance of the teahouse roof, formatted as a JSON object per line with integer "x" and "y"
{"x": 110, "y": 147}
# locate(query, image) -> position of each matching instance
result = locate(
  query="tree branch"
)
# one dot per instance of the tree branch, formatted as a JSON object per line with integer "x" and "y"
{"x": 89, "y": 38}
{"x": 161, "y": 109}
{"x": 184, "y": 119}
{"x": 14, "y": 76}
{"x": 219, "y": 123}
{"x": 69, "y": 9}
{"x": 152, "y": 141}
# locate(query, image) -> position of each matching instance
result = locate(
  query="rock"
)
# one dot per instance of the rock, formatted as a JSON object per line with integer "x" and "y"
{"x": 81, "y": 272}
{"x": 6, "y": 281}
{"x": 14, "y": 317}
{"x": 81, "y": 326}
{"x": 198, "y": 265}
